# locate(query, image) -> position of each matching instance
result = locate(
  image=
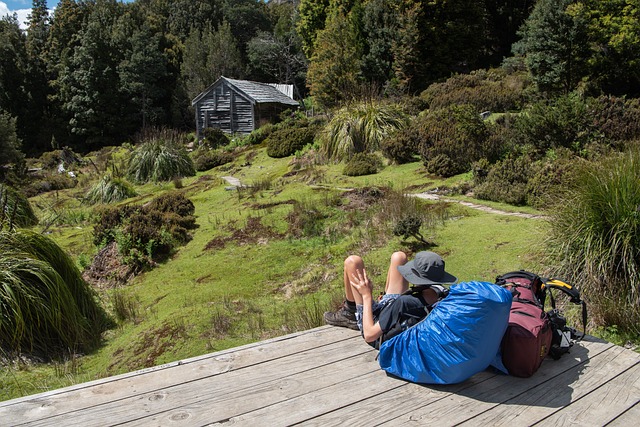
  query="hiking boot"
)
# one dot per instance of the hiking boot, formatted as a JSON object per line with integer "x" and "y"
{"x": 342, "y": 317}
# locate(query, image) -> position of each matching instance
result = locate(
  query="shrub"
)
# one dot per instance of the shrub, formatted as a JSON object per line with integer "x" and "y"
{"x": 148, "y": 232}
{"x": 15, "y": 209}
{"x": 562, "y": 122}
{"x": 362, "y": 164}
{"x": 360, "y": 128}
{"x": 617, "y": 118}
{"x": 451, "y": 139}
{"x": 258, "y": 136}
{"x": 286, "y": 141}
{"x": 506, "y": 181}
{"x": 409, "y": 226}
{"x": 215, "y": 137}
{"x": 492, "y": 90}
{"x": 47, "y": 308}
{"x": 159, "y": 160}
{"x": 595, "y": 238}
{"x": 205, "y": 159}
{"x": 401, "y": 146}
{"x": 110, "y": 190}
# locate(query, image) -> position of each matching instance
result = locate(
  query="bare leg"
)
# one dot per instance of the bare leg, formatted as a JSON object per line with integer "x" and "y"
{"x": 352, "y": 264}
{"x": 396, "y": 284}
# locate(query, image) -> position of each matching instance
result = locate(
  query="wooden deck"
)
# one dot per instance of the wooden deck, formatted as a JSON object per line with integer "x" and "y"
{"x": 329, "y": 376}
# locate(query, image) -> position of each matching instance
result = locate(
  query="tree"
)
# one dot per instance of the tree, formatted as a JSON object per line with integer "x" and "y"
{"x": 207, "y": 56}
{"x": 13, "y": 70}
{"x": 554, "y": 45}
{"x": 614, "y": 36}
{"x": 379, "y": 26}
{"x": 504, "y": 19}
{"x": 142, "y": 74}
{"x": 9, "y": 142}
{"x": 334, "y": 74}
{"x": 312, "y": 17}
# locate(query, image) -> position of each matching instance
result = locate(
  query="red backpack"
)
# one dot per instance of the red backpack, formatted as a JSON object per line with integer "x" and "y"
{"x": 527, "y": 340}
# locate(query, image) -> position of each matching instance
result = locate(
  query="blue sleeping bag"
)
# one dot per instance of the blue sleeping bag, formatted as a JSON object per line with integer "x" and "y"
{"x": 459, "y": 338}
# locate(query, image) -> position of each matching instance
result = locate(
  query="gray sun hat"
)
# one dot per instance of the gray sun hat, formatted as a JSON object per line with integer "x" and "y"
{"x": 427, "y": 268}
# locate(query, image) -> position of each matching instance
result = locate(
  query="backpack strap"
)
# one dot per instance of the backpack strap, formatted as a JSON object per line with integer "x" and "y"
{"x": 574, "y": 297}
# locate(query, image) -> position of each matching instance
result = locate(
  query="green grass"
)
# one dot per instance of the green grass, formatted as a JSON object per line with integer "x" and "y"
{"x": 202, "y": 300}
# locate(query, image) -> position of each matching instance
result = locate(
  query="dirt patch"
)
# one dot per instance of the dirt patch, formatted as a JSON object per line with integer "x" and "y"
{"x": 363, "y": 198}
{"x": 257, "y": 206}
{"x": 108, "y": 270}
{"x": 253, "y": 233}
{"x": 151, "y": 345}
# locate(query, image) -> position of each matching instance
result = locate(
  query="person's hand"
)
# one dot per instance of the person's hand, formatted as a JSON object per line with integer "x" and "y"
{"x": 361, "y": 282}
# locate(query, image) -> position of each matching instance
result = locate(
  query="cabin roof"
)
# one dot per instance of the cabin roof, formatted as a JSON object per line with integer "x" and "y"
{"x": 256, "y": 92}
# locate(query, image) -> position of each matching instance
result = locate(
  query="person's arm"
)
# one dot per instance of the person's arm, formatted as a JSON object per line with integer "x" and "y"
{"x": 364, "y": 287}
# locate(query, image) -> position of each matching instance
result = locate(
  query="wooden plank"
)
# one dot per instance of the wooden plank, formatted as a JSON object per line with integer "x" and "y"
{"x": 149, "y": 380}
{"x": 629, "y": 417}
{"x": 273, "y": 395}
{"x": 601, "y": 405}
{"x": 308, "y": 406}
{"x": 240, "y": 382}
{"x": 480, "y": 398}
{"x": 392, "y": 404}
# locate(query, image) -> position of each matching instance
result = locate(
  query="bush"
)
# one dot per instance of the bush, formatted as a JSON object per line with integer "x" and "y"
{"x": 506, "y": 181}
{"x": 486, "y": 90}
{"x": 15, "y": 209}
{"x": 49, "y": 182}
{"x": 451, "y": 139}
{"x": 286, "y": 141}
{"x": 149, "y": 232}
{"x": 401, "y": 146}
{"x": 360, "y": 128}
{"x": 362, "y": 164}
{"x": 617, "y": 118}
{"x": 205, "y": 159}
{"x": 215, "y": 137}
{"x": 258, "y": 136}
{"x": 47, "y": 308}
{"x": 110, "y": 190}
{"x": 160, "y": 160}
{"x": 595, "y": 238}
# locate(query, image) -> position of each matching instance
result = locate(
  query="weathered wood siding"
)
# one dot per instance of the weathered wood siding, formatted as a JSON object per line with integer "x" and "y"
{"x": 225, "y": 109}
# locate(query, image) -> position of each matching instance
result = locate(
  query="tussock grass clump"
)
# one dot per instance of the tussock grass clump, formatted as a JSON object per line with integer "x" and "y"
{"x": 160, "y": 159}
{"x": 15, "y": 209}
{"x": 47, "y": 308}
{"x": 110, "y": 190}
{"x": 360, "y": 128}
{"x": 595, "y": 239}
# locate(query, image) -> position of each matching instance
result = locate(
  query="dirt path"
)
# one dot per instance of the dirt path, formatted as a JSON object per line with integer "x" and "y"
{"x": 235, "y": 182}
{"x": 431, "y": 196}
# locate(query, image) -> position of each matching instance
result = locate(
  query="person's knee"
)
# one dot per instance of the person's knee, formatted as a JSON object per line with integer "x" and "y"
{"x": 399, "y": 258}
{"x": 353, "y": 262}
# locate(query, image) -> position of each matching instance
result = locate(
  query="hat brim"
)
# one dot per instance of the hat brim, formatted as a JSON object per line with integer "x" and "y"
{"x": 409, "y": 272}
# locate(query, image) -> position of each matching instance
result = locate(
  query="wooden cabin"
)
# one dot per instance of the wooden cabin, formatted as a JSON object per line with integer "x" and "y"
{"x": 240, "y": 106}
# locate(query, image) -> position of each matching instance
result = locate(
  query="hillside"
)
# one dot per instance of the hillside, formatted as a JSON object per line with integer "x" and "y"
{"x": 265, "y": 259}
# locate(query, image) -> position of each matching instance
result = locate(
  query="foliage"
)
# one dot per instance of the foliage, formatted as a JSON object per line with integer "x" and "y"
{"x": 595, "y": 238}
{"x": 9, "y": 142}
{"x": 561, "y": 122}
{"x": 146, "y": 233}
{"x": 554, "y": 43}
{"x": 214, "y": 137}
{"x": 409, "y": 226}
{"x": 161, "y": 158}
{"x": 205, "y": 159}
{"x": 401, "y": 146}
{"x": 360, "y": 128}
{"x": 486, "y": 90}
{"x": 48, "y": 309}
{"x": 618, "y": 119}
{"x": 285, "y": 141}
{"x": 110, "y": 190}
{"x": 15, "y": 209}
{"x": 362, "y": 164}
{"x": 506, "y": 181}
{"x": 452, "y": 139}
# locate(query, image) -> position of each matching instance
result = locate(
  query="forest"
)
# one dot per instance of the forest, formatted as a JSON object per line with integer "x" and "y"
{"x": 526, "y": 105}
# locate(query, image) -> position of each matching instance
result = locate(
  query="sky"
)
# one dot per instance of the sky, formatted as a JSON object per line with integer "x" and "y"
{"x": 23, "y": 8}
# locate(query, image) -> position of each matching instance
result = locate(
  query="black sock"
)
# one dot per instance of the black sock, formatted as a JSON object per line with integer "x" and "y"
{"x": 351, "y": 305}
